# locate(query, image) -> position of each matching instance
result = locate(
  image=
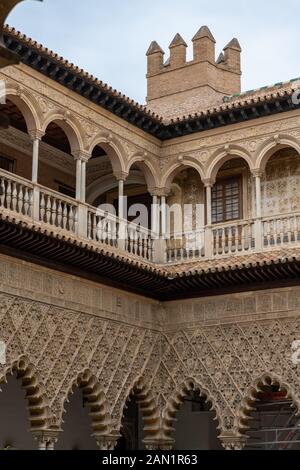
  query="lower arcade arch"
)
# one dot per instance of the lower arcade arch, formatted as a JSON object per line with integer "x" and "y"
{"x": 23, "y": 407}
{"x": 140, "y": 424}
{"x": 270, "y": 417}
{"x": 86, "y": 415}
{"x": 191, "y": 420}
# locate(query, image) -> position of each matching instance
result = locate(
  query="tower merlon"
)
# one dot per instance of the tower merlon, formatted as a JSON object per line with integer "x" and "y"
{"x": 204, "y": 45}
{"x": 155, "y": 56}
{"x": 177, "y": 51}
{"x": 232, "y": 55}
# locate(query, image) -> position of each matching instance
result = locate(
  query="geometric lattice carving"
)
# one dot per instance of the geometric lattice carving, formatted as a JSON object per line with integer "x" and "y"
{"x": 55, "y": 349}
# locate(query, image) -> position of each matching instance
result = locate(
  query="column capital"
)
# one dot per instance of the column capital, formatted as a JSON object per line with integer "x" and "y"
{"x": 36, "y": 134}
{"x": 159, "y": 444}
{"x": 121, "y": 175}
{"x": 159, "y": 192}
{"x": 46, "y": 439}
{"x": 233, "y": 442}
{"x": 257, "y": 173}
{"x": 82, "y": 155}
{"x": 106, "y": 442}
{"x": 208, "y": 183}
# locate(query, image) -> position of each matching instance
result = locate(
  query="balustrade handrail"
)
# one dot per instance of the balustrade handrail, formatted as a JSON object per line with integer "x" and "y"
{"x": 233, "y": 223}
{"x": 16, "y": 179}
{"x": 180, "y": 235}
{"x": 59, "y": 196}
{"x": 281, "y": 216}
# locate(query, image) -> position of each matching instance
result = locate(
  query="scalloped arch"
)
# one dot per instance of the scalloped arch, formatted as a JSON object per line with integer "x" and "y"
{"x": 177, "y": 399}
{"x": 38, "y": 403}
{"x": 247, "y": 404}
{"x": 96, "y": 401}
{"x": 148, "y": 407}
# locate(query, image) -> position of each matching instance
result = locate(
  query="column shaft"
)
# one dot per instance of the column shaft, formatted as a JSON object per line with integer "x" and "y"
{"x": 83, "y": 181}
{"x": 78, "y": 179}
{"x": 35, "y": 159}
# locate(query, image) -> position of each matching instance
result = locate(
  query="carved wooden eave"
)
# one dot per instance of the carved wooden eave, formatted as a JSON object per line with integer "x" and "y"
{"x": 278, "y": 268}
{"x": 247, "y": 107}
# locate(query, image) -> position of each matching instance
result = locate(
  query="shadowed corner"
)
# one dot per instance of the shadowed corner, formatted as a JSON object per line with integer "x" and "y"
{"x": 7, "y": 57}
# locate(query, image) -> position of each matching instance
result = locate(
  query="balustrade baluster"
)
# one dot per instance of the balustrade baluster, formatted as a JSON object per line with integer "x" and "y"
{"x": 59, "y": 214}
{"x": 2, "y": 192}
{"x": 297, "y": 224}
{"x": 30, "y": 208}
{"x": 53, "y": 211}
{"x": 43, "y": 206}
{"x": 9, "y": 195}
{"x": 98, "y": 225}
{"x": 289, "y": 230}
{"x": 26, "y": 202}
{"x": 74, "y": 219}
{"x": 14, "y": 197}
{"x": 65, "y": 216}
{"x": 89, "y": 225}
{"x": 20, "y": 199}
{"x": 48, "y": 210}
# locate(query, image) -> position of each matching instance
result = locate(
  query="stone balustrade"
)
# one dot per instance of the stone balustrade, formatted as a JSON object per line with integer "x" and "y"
{"x": 25, "y": 201}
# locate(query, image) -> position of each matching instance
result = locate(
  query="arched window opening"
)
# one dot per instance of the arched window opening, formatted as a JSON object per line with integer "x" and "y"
{"x": 14, "y": 423}
{"x": 77, "y": 427}
{"x": 233, "y": 205}
{"x": 132, "y": 428}
{"x": 196, "y": 428}
{"x": 274, "y": 424}
{"x": 57, "y": 138}
{"x": 232, "y": 192}
{"x": 99, "y": 177}
{"x": 103, "y": 188}
{"x": 57, "y": 171}
{"x": 14, "y": 115}
{"x": 186, "y": 216}
{"x": 11, "y": 159}
{"x": 280, "y": 184}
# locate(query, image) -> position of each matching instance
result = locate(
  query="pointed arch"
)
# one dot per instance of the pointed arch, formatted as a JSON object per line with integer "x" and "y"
{"x": 182, "y": 164}
{"x": 222, "y": 156}
{"x": 38, "y": 403}
{"x": 95, "y": 399}
{"x": 177, "y": 399}
{"x": 247, "y": 405}
{"x": 268, "y": 148}
{"x": 69, "y": 125}
{"x": 114, "y": 150}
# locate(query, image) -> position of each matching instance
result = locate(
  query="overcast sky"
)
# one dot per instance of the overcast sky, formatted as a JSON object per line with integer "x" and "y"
{"x": 109, "y": 38}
